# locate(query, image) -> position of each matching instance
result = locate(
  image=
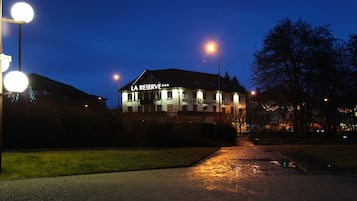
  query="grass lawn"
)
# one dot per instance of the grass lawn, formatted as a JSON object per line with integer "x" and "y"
{"x": 340, "y": 159}
{"x": 19, "y": 165}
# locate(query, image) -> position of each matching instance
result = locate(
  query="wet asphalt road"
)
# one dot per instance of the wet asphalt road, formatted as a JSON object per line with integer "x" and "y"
{"x": 243, "y": 172}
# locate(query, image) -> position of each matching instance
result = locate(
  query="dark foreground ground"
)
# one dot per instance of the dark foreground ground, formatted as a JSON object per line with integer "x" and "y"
{"x": 244, "y": 172}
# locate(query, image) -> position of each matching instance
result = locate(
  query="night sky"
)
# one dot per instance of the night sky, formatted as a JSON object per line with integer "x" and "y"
{"x": 84, "y": 42}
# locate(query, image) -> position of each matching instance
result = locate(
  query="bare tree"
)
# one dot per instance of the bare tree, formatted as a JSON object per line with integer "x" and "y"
{"x": 299, "y": 59}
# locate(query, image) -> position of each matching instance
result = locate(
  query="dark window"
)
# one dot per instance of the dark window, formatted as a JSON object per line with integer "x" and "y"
{"x": 147, "y": 96}
{"x": 158, "y": 95}
{"x": 169, "y": 95}
{"x": 130, "y": 109}
{"x": 146, "y": 108}
{"x": 241, "y": 99}
{"x": 130, "y": 97}
{"x": 170, "y": 108}
{"x": 214, "y": 96}
{"x": 184, "y": 108}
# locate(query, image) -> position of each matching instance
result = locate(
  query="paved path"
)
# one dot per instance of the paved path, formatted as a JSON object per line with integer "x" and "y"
{"x": 243, "y": 172}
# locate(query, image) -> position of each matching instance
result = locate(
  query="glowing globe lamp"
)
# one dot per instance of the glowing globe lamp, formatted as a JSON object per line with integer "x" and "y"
{"x": 22, "y": 12}
{"x": 16, "y": 81}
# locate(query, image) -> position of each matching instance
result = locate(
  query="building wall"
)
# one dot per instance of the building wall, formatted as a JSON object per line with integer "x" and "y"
{"x": 180, "y": 99}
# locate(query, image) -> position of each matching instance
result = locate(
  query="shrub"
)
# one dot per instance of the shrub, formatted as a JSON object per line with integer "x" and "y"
{"x": 46, "y": 126}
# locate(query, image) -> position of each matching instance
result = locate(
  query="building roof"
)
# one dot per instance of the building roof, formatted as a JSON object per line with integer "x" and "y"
{"x": 187, "y": 79}
{"x": 41, "y": 83}
{"x": 58, "y": 90}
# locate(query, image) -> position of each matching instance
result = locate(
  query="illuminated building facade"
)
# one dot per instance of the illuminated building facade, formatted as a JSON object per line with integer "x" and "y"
{"x": 174, "y": 90}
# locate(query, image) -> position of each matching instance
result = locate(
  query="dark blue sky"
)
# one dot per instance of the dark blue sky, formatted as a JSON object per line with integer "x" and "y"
{"x": 84, "y": 42}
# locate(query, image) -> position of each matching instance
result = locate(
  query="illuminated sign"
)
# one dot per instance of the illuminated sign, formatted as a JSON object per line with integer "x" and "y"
{"x": 147, "y": 87}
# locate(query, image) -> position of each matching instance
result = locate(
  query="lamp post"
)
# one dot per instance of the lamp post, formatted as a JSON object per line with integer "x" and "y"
{"x": 22, "y": 13}
{"x": 212, "y": 47}
{"x": 116, "y": 77}
{"x": 252, "y": 93}
{"x": 13, "y": 81}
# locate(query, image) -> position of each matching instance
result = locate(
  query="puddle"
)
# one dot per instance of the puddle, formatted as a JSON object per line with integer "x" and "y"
{"x": 284, "y": 163}
{"x": 256, "y": 159}
{"x": 281, "y": 163}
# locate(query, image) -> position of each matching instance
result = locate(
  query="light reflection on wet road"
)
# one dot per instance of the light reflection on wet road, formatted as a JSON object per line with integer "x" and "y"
{"x": 228, "y": 167}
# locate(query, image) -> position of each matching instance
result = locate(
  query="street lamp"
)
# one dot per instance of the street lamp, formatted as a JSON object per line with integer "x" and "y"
{"x": 21, "y": 14}
{"x": 212, "y": 47}
{"x": 116, "y": 77}
{"x": 16, "y": 81}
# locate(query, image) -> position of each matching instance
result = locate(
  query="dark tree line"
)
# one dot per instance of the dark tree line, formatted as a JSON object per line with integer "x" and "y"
{"x": 316, "y": 72}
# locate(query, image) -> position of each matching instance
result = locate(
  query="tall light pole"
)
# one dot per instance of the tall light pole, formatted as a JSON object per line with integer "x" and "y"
{"x": 116, "y": 77}
{"x": 22, "y": 13}
{"x": 251, "y": 93}
{"x": 1, "y": 91}
{"x": 14, "y": 81}
{"x": 212, "y": 47}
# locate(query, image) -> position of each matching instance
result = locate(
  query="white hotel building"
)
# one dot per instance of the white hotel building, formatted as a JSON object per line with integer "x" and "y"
{"x": 174, "y": 90}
